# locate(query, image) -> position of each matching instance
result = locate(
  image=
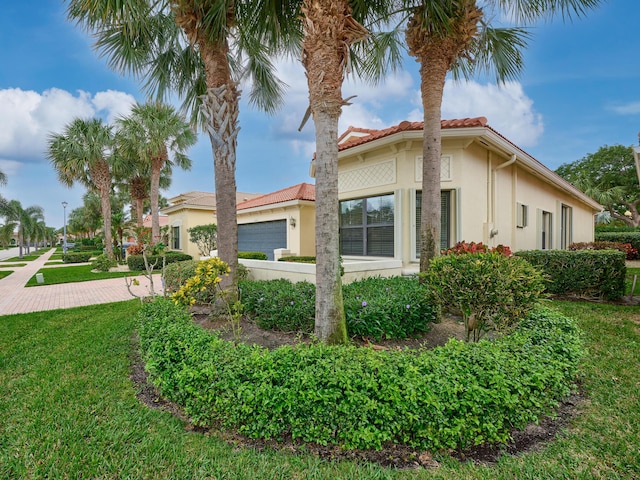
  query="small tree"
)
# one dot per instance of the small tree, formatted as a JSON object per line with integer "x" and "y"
{"x": 490, "y": 290}
{"x": 205, "y": 237}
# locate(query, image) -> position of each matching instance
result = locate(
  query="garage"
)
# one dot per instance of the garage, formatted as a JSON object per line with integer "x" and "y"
{"x": 262, "y": 237}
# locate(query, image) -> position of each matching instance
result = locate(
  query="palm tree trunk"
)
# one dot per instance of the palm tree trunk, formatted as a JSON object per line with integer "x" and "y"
{"x": 154, "y": 195}
{"x": 328, "y": 32}
{"x": 220, "y": 107}
{"x": 139, "y": 207}
{"x": 105, "y": 205}
{"x": 432, "y": 87}
{"x": 330, "y": 325}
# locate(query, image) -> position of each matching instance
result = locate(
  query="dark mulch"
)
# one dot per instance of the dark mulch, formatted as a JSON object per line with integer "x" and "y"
{"x": 533, "y": 437}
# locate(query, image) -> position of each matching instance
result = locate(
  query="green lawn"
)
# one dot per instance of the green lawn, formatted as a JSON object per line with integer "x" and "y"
{"x": 5, "y": 273}
{"x": 5, "y": 265}
{"x": 33, "y": 255}
{"x": 69, "y": 410}
{"x": 76, "y": 273}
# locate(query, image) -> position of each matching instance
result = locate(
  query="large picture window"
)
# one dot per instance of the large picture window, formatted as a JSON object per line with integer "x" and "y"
{"x": 367, "y": 226}
{"x": 445, "y": 220}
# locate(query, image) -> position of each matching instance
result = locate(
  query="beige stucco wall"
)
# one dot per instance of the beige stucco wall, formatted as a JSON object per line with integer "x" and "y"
{"x": 483, "y": 196}
{"x": 186, "y": 219}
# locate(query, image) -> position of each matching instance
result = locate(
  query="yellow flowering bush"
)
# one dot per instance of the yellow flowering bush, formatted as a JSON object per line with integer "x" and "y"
{"x": 203, "y": 286}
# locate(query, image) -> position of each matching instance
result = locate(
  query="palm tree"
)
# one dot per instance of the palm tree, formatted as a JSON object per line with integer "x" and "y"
{"x": 83, "y": 153}
{"x": 330, "y": 28}
{"x": 183, "y": 46}
{"x": 148, "y": 134}
{"x": 455, "y": 35}
{"x": 3, "y": 181}
{"x": 22, "y": 219}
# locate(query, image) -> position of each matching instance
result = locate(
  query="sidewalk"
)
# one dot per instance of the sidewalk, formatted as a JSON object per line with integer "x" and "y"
{"x": 15, "y": 298}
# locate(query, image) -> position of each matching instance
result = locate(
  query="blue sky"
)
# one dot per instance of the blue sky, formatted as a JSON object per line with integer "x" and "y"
{"x": 580, "y": 90}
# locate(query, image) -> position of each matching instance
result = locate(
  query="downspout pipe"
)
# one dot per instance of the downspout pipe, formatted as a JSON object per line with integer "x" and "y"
{"x": 511, "y": 161}
{"x": 507, "y": 163}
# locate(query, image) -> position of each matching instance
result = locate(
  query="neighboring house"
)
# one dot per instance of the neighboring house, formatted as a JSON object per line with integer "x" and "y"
{"x": 191, "y": 209}
{"x": 280, "y": 220}
{"x": 491, "y": 191}
{"x": 283, "y": 220}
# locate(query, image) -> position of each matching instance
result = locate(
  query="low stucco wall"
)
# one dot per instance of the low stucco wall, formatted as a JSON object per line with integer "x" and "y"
{"x": 298, "y": 272}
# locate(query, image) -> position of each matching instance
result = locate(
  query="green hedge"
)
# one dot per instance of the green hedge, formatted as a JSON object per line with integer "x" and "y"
{"x": 393, "y": 307}
{"x": 620, "y": 237}
{"x": 253, "y": 255}
{"x": 136, "y": 262}
{"x": 453, "y": 396}
{"x": 303, "y": 259}
{"x": 585, "y": 273}
{"x": 74, "y": 257}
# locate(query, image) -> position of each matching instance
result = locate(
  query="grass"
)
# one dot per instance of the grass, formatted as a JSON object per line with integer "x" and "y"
{"x": 76, "y": 273}
{"x": 631, "y": 271}
{"x": 5, "y": 265}
{"x": 5, "y": 273}
{"x": 69, "y": 410}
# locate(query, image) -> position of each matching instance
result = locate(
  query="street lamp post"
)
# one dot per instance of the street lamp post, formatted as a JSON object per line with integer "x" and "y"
{"x": 64, "y": 234}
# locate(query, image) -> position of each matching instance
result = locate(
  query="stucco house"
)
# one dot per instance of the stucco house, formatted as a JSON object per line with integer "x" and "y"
{"x": 282, "y": 220}
{"x": 189, "y": 210}
{"x": 492, "y": 191}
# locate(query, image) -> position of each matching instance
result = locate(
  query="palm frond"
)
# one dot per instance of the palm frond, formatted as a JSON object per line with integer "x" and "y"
{"x": 495, "y": 50}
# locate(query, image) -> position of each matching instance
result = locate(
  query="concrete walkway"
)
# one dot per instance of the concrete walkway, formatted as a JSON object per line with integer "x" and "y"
{"x": 16, "y": 298}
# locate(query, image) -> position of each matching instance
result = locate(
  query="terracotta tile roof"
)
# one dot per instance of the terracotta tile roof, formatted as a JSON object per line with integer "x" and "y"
{"x": 207, "y": 199}
{"x": 164, "y": 220}
{"x": 357, "y": 136}
{"x": 302, "y": 191}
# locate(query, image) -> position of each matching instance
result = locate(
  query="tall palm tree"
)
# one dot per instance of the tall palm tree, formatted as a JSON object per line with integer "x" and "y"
{"x": 22, "y": 219}
{"x": 148, "y": 134}
{"x": 184, "y": 46}
{"x": 456, "y": 36}
{"x": 330, "y": 28}
{"x": 83, "y": 153}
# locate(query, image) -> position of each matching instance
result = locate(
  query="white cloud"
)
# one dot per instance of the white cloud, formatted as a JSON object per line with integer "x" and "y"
{"x": 114, "y": 103}
{"x": 29, "y": 117}
{"x": 507, "y": 108}
{"x": 632, "y": 108}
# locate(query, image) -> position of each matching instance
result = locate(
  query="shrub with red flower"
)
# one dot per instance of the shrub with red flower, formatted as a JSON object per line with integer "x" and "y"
{"x": 463, "y": 247}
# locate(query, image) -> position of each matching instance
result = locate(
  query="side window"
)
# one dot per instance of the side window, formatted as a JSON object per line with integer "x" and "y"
{"x": 175, "y": 238}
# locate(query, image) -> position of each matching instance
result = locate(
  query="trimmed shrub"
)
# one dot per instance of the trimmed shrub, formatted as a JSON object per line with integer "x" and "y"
{"x": 394, "y": 307}
{"x": 376, "y": 308}
{"x": 630, "y": 252}
{"x": 492, "y": 291}
{"x": 583, "y": 273}
{"x": 136, "y": 262}
{"x": 620, "y": 237}
{"x": 177, "y": 273}
{"x": 280, "y": 304}
{"x": 76, "y": 257}
{"x": 307, "y": 259}
{"x": 253, "y": 255}
{"x": 103, "y": 263}
{"x": 454, "y": 396}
